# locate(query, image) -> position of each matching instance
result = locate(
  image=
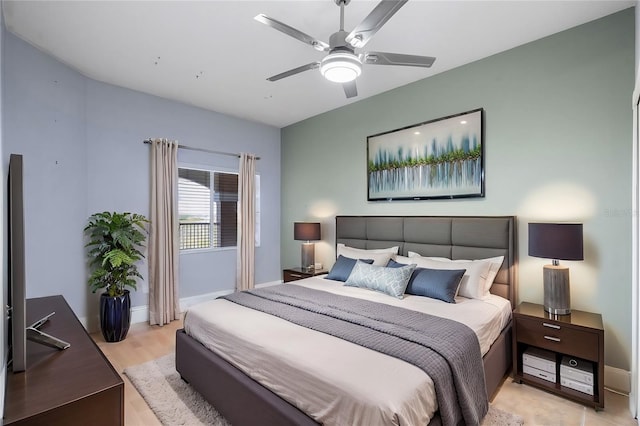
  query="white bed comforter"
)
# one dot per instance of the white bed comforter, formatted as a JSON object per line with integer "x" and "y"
{"x": 334, "y": 381}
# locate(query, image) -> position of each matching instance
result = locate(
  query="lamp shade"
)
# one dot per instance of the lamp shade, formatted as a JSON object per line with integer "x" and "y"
{"x": 306, "y": 231}
{"x": 561, "y": 241}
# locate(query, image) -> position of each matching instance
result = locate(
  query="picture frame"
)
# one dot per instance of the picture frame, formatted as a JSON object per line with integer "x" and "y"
{"x": 436, "y": 159}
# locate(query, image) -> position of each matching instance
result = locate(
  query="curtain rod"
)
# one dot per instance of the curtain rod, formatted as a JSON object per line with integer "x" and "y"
{"x": 148, "y": 141}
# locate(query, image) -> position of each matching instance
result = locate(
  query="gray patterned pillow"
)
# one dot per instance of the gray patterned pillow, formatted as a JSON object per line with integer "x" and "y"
{"x": 391, "y": 281}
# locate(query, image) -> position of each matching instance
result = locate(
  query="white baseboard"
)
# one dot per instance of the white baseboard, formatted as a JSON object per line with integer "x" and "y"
{"x": 186, "y": 302}
{"x": 90, "y": 326}
{"x": 141, "y": 313}
{"x": 617, "y": 379}
{"x": 269, "y": 284}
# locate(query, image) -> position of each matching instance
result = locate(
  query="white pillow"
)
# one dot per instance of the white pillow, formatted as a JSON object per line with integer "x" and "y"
{"x": 380, "y": 257}
{"x": 402, "y": 259}
{"x": 494, "y": 262}
{"x": 392, "y": 250}
{"x": 473, "y": 281}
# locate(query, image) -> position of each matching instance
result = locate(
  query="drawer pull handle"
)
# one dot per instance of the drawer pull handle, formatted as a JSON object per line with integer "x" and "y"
{"x": 546, "y": 324}
{"x": 554, "y": 339}
{"x": 296, "y": 275}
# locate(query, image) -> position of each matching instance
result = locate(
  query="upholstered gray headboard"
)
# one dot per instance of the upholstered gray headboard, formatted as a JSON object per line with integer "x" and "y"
{"x": 454, "y": 237}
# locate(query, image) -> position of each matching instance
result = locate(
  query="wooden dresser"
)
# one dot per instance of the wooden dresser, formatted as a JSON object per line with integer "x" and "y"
{"x": 75, "y": 386}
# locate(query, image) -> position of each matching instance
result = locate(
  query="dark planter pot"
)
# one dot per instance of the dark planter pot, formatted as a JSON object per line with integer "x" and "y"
{"x": 115, "y": 316}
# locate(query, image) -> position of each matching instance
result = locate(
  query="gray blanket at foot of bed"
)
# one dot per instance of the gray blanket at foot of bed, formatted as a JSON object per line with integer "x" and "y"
{"x": 446, "y": 350}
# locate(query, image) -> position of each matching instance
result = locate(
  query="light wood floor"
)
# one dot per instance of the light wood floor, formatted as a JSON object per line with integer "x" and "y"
{"x": 144, "y": 343}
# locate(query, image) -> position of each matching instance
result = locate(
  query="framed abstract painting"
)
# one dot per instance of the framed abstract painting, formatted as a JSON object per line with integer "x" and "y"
{"x": 441, "y": 158}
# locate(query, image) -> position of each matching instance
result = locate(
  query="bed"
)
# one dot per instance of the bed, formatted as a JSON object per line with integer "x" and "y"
{"x": 231, "y": 391}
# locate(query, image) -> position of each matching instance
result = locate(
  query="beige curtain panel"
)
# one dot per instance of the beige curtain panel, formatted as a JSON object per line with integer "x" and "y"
{"x": 245, "y": 274}
{"x": 164, "y": 303}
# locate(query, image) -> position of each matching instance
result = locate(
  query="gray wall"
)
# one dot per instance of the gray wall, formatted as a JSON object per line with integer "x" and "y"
{"x": 118, "y": 120}
{"x": 43, "y": 108}
{"x": 83, "y": 152}
{"x": 558, "y": 148}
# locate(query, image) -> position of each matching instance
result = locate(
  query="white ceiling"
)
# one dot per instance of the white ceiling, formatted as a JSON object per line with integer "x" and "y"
{"x": 214, "y": 55}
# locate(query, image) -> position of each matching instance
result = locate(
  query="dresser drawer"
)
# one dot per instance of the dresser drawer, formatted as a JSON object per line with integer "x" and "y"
{"x": 558, "y": 337}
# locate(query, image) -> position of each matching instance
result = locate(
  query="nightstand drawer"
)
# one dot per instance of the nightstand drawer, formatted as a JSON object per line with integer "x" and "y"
{"x": 558, "y": 337}
{"x": 293, "y": 276}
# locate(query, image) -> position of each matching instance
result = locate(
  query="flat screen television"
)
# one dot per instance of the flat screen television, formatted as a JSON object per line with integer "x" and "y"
{"x": 18, "y": 330}
{"x": 16, "y": 294}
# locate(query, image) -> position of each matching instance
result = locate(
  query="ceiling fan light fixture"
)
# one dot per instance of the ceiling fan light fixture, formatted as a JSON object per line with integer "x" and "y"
{"x": 341, "y": 67}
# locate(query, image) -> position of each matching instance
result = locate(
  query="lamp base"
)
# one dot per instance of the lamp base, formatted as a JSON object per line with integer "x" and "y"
{"x": 557, "y": 294}
{"x": 308, "y": 256}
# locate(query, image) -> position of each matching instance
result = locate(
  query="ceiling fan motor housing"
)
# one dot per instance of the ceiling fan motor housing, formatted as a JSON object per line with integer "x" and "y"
{"x": 337, "y": 40}
{"x": 341, "y": 66}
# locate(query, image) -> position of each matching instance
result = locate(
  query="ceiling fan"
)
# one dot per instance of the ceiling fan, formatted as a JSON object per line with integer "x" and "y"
{"x": 343, "y": 64}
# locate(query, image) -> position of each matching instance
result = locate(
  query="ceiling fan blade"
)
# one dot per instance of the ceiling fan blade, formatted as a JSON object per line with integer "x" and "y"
{"x": 311, "y": 66}
{"x": 373, "y": 22}
{"x": 290, "y": 31}
{"x": 350, "y": 89}
{"x": 386, "y": 58}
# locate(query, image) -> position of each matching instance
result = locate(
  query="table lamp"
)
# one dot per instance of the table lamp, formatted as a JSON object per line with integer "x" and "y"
{"x": 307, "y": 231}
{"x": 556, "y": 241}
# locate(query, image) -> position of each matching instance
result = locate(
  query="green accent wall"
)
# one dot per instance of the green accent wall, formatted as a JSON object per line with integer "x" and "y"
{"x": 558, "y": 147}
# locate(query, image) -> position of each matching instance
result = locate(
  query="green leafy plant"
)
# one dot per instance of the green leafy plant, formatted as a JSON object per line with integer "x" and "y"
{"x": 114, "y": 247}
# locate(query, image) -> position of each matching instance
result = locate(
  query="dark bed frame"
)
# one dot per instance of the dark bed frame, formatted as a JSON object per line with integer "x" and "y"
{"x": 243, "y": 401}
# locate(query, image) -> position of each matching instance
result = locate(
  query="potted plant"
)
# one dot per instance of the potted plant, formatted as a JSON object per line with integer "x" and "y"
{"x": 114, "y": 247}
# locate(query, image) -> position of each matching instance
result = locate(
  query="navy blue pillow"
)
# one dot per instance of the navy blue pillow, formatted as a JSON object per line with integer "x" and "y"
{"x": 439, "y": 284}
{"x": 341, "y": 270}
{"x": 393, "y": 264}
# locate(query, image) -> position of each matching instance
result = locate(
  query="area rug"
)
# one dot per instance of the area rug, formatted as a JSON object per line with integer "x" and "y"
{"x": 174, "y": 402}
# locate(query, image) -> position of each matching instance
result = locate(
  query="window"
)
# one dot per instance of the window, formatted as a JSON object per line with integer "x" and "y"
{"x": 208, "y": 208}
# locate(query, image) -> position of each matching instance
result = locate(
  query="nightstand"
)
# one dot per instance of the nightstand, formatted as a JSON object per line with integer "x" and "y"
{"x": 293, "y": 274}
{"x": 579, "y": 335}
